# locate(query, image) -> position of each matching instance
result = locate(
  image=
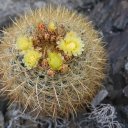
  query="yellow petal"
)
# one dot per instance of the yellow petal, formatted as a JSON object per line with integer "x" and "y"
{"x": 55, "y": 60}
{"x": 72, "y": 44}
{"x": 31, "y": 58}
{"x": 23, "y": 43}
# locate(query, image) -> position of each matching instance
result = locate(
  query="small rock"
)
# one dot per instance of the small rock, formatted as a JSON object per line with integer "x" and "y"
{"x": 99, "y": 97}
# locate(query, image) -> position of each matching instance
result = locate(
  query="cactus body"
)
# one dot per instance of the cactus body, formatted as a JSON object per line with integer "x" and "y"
{"x": 71, "y": 85}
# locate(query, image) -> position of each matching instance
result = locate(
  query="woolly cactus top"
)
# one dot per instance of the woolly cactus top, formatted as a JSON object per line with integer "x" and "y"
{"x": 52, "y": 61}
{"x": 50, "y": 46}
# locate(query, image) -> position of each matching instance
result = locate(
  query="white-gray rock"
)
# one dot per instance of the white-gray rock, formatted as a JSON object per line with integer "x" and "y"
{"x": 99, "y": 97}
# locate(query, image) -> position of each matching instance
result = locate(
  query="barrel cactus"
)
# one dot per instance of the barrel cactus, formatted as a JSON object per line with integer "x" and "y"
{"x": 52, "y": 62}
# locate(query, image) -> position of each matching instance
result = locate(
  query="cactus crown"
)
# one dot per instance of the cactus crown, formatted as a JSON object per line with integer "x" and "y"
{"x": 52, "y": 61}
{"x": 52, "y": 44}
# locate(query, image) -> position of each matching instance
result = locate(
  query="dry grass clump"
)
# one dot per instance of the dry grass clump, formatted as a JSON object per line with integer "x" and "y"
{"x": 52, "y": 86}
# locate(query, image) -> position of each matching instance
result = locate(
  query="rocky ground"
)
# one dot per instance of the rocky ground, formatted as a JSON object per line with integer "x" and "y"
{"x": 111, "y": 18}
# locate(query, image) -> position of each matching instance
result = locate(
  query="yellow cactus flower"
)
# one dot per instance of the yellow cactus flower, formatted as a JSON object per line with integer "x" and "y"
{"x": 51, "y": 26}
{"x": 23, "y": 43}
{"x": 55, "y": 60}
{"x": 71, "y": 45}
{"x": 31, "y": 58}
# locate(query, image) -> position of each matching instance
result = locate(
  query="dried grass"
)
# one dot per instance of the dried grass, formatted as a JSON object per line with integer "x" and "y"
{"x": 103, "y": 116}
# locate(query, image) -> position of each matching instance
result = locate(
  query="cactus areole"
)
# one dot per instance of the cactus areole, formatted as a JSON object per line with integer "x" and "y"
{"x": 52, "y": 62}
